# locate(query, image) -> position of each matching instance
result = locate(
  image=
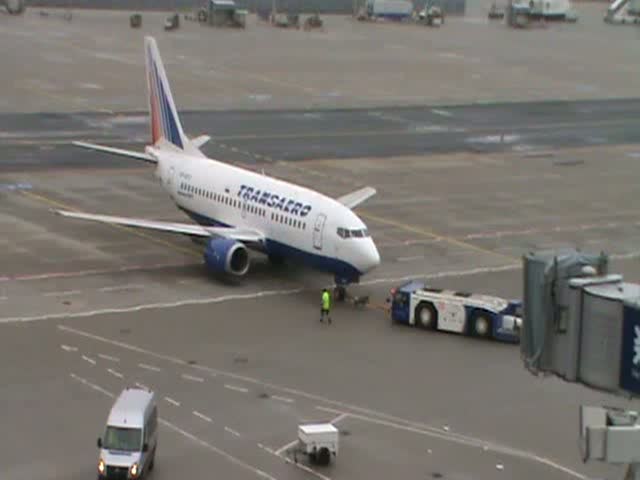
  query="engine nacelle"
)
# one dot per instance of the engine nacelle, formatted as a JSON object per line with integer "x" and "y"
{"x": 224, "y": 255}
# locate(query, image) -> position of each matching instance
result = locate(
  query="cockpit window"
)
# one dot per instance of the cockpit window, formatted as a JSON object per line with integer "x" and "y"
{"x": 358, "y": 233}
{"x": 343, "y": 233}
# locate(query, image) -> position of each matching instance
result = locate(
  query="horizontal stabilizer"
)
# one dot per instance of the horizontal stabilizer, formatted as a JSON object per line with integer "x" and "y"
{"x": 117, "y": 151}
{"x": 200, "y": 141}
{"x": 239, "y": 234}
{"x": 354, "y": 199}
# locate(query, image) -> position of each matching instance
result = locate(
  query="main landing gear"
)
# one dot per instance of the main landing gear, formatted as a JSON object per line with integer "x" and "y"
{"x": 340, "y": 293}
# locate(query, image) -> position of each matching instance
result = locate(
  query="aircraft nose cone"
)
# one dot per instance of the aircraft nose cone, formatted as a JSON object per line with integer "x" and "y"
{"x": 372, "y": 258}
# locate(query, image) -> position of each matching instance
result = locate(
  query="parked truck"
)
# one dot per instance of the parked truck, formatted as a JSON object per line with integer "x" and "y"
{"x": 389, "y": 9}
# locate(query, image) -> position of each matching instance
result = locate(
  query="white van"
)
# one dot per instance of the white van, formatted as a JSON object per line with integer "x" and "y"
{"x": 128, "y": 448}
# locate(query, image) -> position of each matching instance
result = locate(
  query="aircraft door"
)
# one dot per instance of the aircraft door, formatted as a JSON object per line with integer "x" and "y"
{"x": 169, "y": 180}
{"x": 318, "y": 229}
{"x": 243, "y": 207}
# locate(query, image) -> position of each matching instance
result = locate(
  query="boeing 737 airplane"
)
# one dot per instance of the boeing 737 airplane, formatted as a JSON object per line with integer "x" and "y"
{"x": 236, "y": 209}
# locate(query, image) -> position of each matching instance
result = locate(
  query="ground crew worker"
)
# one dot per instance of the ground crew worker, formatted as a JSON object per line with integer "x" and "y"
{"x": 326, "y": 306}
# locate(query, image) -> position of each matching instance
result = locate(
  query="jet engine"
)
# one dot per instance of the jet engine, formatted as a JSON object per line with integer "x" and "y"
{"x": 224, "y": 255}
{"x": 14, "y": 7}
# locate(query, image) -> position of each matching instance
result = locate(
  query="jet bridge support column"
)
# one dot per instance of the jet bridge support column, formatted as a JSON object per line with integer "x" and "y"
{"x": 612, "y": 436}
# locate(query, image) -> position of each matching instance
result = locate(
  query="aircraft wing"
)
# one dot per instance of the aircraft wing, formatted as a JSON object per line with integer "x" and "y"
{"x": 239, "y": 234}
{"x": 354, "y": 199}
{"x": 116, "y": 151}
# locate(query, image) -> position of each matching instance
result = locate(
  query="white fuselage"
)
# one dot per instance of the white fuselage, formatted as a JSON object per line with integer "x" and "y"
{"x": 296, "y": 221}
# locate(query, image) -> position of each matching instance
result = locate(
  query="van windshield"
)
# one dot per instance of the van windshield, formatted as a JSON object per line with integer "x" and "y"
{"x": 128, "y": 439}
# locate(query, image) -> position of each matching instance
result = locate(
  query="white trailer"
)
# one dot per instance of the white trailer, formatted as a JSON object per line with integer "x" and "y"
{"x": 318, "y": 441}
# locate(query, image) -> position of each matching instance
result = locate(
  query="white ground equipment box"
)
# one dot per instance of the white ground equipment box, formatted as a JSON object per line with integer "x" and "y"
{"x": 319, "y": 441}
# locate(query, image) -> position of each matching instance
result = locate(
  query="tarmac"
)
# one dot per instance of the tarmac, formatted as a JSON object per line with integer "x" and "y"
{"x": 349, "y": 64}
{"x": 88, "y": 309}
{"x": 273, "y": 135}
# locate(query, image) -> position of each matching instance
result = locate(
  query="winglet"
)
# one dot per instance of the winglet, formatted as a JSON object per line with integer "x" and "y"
{"x": 354, "y": 199}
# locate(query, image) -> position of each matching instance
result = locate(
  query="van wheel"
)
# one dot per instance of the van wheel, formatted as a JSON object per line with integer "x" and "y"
{"x": 426, "y": 316}
{"x": 481, "y": 325}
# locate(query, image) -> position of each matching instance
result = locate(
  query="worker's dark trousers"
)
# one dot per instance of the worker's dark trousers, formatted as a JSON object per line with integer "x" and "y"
{"x": 324, "y": 312}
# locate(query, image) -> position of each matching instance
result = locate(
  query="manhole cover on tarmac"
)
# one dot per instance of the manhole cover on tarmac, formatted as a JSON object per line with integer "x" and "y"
{"x": 264, "y": 395}
{"x": 436, "y": 475}
{"x": 191, "y": 362}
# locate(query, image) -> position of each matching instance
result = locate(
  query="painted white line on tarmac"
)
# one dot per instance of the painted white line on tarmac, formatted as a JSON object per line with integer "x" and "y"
{"x": 149, "y": 367}
{"x": 445, "y": 274}
{"x": 142, "y": 386}
{"x": 202, "y": 416}
{"x": 186, "y": 434}
{"x": 172, "y": 401}
{"x": 339, "y": 418}
{"x": 232, "y": 431}
{"x": 92, "y": 385}
{"x": 286, "y": 447}
{"x": 114, "y": 373}
{"x": 108, "y": 357}
{"x": 443, "y": 113}
{"x": 214, "y": 449}
{"x": 283, "y": 399}
{"x": 118, "y": 288}
{"x": 192, "y": 378}
{"x": 90, "y": 360}
{"x": 152, "y": 306}
{"x": 62, "y": 294}
{"x": 237, "y": 389}
{"x": 462, "y": 439}
{"x": 421, "y": 427}
{"x": 410, "y": 259}
{"x": 67, "y": 348}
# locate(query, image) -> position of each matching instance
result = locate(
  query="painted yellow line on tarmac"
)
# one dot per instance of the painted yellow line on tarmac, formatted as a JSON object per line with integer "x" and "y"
{"x": 57, "y": 204}
{"x": 436, "y": 236}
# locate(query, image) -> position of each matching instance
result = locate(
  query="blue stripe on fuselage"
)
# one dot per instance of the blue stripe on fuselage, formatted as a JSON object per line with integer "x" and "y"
{"x": 340, "y": 268}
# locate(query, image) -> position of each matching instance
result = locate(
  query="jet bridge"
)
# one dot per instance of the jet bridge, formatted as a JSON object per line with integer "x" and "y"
{"x": 582, "y": 324}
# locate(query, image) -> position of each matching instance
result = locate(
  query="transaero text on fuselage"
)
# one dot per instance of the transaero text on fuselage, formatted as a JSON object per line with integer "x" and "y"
{"x": 287, "y": 205}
